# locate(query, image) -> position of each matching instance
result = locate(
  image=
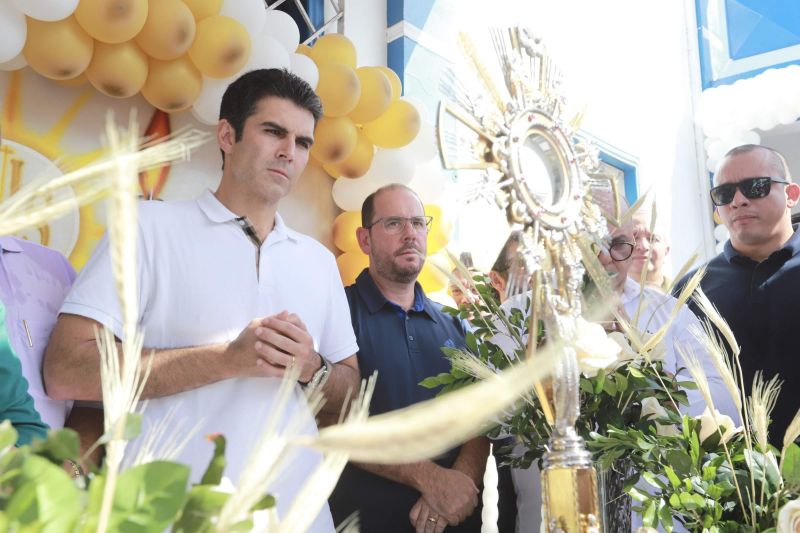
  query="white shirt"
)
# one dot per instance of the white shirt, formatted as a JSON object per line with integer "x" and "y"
{"x": 33, "y": 283}
{"x": 198, "y": 286}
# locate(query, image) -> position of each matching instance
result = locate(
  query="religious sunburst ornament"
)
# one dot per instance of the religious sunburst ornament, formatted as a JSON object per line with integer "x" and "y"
{"x": 514, "y": 137}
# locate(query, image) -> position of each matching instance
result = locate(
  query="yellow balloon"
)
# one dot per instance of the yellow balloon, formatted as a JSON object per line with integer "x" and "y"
{"x": 221, "y": 47}
{"x": 118, "y": 70}
{"x": 376, "y": 95}
{"x": 334, "y": 48}
{"x": 172, "y": 85}
{"x": 344, "y": 231}
{"x": 394, "y": 80}
{"x": 338, "y": 88}
{"x": 112, "y": 21}
{"x": 350, "y": 266}
{"x": 169, "y": 30}
{"x": 441, "y": 228}
{"x": 58, "y": 50}
{"x": 396, "y": 127}
{"x": 334, "y": 139}
{"x": 357, "y": 163}
{"x": 202, "y": 9}
{"x": 303, "y": 50}
{"x": 77, "y": 81}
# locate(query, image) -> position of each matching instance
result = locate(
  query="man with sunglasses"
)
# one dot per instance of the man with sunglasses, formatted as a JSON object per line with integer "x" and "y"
{"x": 400, "y": 333}
{"x": 754, "y": 282}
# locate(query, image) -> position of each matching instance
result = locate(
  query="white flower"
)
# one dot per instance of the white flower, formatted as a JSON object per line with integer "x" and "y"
{"x": 627, "y": 353}
{"x": 652, "y": 409}
{"x": 594, "y": 350}
{"x": 789, "y": 517}
{"x": 646, "y": 530}
{"x": 708, "y": 425}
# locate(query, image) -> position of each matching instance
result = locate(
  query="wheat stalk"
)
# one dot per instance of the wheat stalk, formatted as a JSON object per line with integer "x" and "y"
{"x": 695, "y": 368}
{"x": 320, "y": 484}
{"x": 709, "y": 340}
{"x": 419, "y": 432}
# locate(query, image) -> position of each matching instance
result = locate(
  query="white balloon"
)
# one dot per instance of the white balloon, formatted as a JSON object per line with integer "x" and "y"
{"x": 14, "y": 64}
{"x": 388, "y": 166}
{"x": 305, "y": 68}
{"x": 281, "y": 26}
{"x": 716, "y": 149}
{"x": 266, "y": 52}
{"x": 206, "y": 107}
{"x": 430, "y": 182}
{"x": 250, "y": 13}
{"x": 49, "y": 10}
{"x": 751, "y": 137}
{"x": 424, "y": 147}
{"x": 13, "y": 32}
{"x": 721, "y": 233}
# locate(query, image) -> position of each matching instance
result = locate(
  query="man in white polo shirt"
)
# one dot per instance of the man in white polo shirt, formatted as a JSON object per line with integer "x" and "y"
{"x": 229, "y": 296}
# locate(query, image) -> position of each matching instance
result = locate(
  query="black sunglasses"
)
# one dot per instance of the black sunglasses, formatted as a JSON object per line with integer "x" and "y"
{"x": 751, "y": 188}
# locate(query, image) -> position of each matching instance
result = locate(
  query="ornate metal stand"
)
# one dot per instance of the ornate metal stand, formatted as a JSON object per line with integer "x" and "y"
{"x": 515, "y": 135}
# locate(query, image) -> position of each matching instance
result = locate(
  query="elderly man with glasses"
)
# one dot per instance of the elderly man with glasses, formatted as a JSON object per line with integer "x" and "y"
{"x": 400, "y": 333}
{"x": 754, "y": 281}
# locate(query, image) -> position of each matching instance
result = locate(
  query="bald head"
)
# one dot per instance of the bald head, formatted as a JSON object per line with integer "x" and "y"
{"x": 770, "y": 158}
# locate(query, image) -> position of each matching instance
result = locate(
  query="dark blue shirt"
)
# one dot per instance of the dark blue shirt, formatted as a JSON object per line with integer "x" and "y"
{"x": 404, "y": 348}
{"x": 761, "y": 303}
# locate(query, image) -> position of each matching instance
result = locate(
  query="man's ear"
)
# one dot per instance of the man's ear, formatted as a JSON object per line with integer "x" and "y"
{"x": 226, "y": 136}
{"x": 792, "y": 194}
{"x": 362, "y": 236}
{"x": 497, "y": 281}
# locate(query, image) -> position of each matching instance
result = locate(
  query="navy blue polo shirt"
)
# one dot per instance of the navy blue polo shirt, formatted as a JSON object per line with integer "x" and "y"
{"x": 761, "y": 303}
{"x": 404, "y": 348}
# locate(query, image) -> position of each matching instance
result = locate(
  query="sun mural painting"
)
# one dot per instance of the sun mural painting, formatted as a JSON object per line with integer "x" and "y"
{"x": 514, "y": 136}
{"x": 27, "y": 154}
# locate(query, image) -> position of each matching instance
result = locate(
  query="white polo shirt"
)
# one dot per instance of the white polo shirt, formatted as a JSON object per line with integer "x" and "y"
{"x": 199, "y": 285}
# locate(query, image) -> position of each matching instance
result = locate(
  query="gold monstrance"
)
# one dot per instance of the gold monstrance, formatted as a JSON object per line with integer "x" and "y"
{"x": 514, "y": 137}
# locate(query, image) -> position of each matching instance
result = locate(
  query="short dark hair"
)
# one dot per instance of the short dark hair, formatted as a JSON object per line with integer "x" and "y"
{"x": 503, "y": 262}
{"x": 777, "y": 159}
{"x": 242, "y": 96}
{"x": 368, "y": 207}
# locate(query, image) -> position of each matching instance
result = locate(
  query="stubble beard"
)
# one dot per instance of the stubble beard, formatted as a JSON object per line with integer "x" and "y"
{"x": 390, "y": 270}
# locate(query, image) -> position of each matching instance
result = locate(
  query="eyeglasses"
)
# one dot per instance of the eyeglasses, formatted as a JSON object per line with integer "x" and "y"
{"x": 618, "y": 250}
{"x": 394, "y": 225}
{"x": 751, "y": 188}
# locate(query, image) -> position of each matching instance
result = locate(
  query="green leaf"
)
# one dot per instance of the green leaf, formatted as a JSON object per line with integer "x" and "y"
{"x": 680, "y": 461}
{"x": 622, "y": 382}
{"x": 649, "y": 515}
{"x": 149, "y": 497}
{"x": 44, "y": 494}
{"x": 791, "y": 465}
{"x": 431, "y": 382}
{"x": 202, "y": 506}
{"x": 673, "y": 479}
{"x": 654, "y": 480}
{"x": 59, "y": 445}
{"x": 133, "y": 427}
{"x": 8, "y": 436}
{"x": 600, "y": 380}
{"x": 216, "y": 466}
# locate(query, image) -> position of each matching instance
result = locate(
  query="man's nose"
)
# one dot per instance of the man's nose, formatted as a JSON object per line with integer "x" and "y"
{"x": 286, "y": 148}
{"x": 739, "y": 199}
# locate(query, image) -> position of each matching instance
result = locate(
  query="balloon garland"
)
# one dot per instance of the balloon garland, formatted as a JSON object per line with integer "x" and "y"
{"x": 182, "y": 54}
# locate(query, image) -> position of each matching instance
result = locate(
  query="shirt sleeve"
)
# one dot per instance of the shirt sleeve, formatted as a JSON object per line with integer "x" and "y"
{"x": 16, "y": 404}
{"x": 684, "y": 324}
{"x": 338, "y": 340}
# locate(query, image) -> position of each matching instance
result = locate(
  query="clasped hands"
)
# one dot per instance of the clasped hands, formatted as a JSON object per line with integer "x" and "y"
{"x": 447, "y": 499}
{"x": 270, "y": 345}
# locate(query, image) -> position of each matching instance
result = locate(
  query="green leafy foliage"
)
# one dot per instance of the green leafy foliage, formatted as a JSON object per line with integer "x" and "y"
{"x": 38, "y": 495}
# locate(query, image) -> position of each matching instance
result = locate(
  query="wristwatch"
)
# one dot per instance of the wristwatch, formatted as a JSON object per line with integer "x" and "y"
{"x": 320, "y": 376}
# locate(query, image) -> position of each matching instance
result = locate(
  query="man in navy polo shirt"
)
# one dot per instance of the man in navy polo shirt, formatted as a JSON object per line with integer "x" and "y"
{"x": 400, "y": 333}
{"x": 755, "y": 281}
